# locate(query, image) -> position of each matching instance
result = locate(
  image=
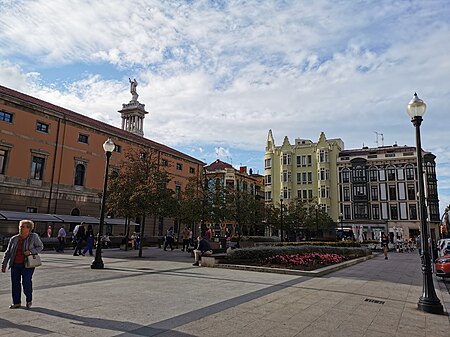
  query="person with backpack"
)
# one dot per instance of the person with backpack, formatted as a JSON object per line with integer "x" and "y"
{"x": 79, "y": 233}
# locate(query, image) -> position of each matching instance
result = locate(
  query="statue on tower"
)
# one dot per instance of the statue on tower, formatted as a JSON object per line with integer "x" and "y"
{"x": 134, "y": 94}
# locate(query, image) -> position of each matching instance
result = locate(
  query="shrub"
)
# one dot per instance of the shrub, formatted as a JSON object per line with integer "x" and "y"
{"x": 320, "y": 243}
{"x": 263, "y": 252}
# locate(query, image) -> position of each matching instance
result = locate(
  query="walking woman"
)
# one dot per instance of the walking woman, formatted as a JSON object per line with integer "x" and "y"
{"x": 384, "y": 245}
{"x": 19, "y": 247}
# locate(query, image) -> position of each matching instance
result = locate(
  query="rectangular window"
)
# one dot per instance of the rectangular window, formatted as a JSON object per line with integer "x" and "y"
{"x": 346, "y": 193}
{"x": 3, "y": 159}
{"x": 361, "y": 211}
{"x": 117, "y": 148}
{"x": 268, "y": 179}
{"x": 400, "y": 175}
{"x": 268, "y": 195}
{"x": 304, "y": 181}
{"x": 411, "y": 192}
{"x": 394, "y": 212}
{"x": 299, "y": 178}
{"x": 299, "y": 161}
{"x": 309, "y": 177}
{"x": 373, "y": 175}
{"x": 401, "y": 191}
{"x": 383, "y": 193}
{"x": 303, "y": 160}
{"x": 268, "y": 163}
{"x": 310, "y": 194}
{"x": 309, "y": 160}
{"x": 37, "y": 168}
{"x": 412, "y": 212}
{"x": 391, "y": 174}
{"x": 374, "y": 192}
{"x": 83, "y": 138}
{"x": 179, "y": 166}
{"x": 347, "y": 212}
{"x": 305, "y": 194}
{"x": 409, "y": 173}
{"x": 403, "y": 211}
{"x": 164, "y": 162}
{"x": 6, "y": 117}
{"x": 345, "y": 176}
{"x": 392, "y": 192}
{"x": 286, "y": 159}
{"x": 384, "y": 211}
{"x": 375, "y": 212}
{"x": 42, "y": 127}
{"x": 382, "y": 174}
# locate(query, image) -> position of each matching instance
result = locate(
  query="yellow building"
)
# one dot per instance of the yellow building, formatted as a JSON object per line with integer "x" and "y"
{"x": 303, "y": 170}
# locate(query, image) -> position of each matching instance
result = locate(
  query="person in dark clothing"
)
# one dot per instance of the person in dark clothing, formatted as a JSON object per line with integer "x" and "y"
{"x": 384, "y": 245}
{"x": 169, "y": 239}
{"x": 89, "y": 241}
{"x": 79, "y": 233}
{"x": 203, "y": 249}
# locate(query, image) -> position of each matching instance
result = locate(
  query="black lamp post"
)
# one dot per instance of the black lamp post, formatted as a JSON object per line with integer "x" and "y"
{"x": 281, "y": 217}
{"x": 317, "y": 221}
{"x": 428, "y": 302}
{"x": 108, "y": 146}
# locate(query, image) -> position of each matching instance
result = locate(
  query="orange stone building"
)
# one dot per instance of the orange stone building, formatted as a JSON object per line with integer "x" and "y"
{"x": 52, "y": 160}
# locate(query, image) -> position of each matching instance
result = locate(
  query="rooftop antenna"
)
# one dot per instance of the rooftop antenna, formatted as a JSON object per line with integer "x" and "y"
{"x": 382, "y": 138}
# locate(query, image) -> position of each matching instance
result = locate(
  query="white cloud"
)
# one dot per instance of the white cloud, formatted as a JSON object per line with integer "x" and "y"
{"x": 215, "y": 75}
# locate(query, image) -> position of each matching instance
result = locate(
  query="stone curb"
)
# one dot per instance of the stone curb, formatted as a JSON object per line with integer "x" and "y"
{"x": 313, "y": 273}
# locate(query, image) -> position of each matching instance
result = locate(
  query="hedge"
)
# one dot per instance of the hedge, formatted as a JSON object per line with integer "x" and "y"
{"x": 264, "y": 252}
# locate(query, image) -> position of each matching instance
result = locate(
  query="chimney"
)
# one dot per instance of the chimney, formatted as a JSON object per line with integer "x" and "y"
{"x": 243, "y": 169}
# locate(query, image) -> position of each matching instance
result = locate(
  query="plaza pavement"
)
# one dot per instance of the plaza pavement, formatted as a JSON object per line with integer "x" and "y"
{"x": 162, "y": 294}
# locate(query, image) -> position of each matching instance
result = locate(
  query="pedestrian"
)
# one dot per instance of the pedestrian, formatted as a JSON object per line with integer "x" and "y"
{"x": 79, "y": 232}
{"x": 61, "y": 239}
{"x": 185, "y": 235}
{"x": 203, "y": 249}
{"x": 384, "y": 245}
{"x": 137, "y": 241}
{"x": 191, "y": 238}
{"x": 89, "y": 237}
{"x": 169, "y": 239}
{"x": 19, "y": 247}
{"x": 49, "y": 232}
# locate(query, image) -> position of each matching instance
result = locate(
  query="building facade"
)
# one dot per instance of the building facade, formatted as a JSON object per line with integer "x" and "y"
{"x": 52, "y": 159}
{"x": 220, "y": 176}
{"x": 303, "y": 170}
{"x": 378, "y": 192}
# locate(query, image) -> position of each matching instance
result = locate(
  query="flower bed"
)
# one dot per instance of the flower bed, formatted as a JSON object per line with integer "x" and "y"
{"x": 294, "y": 257}
{"x": 308, "y": 261}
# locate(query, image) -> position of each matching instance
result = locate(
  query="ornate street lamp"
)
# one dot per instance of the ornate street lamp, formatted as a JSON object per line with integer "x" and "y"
{"x": 281, "y": 216}
{"x": 108, "y": 146}
{"x": 428, "y": 302}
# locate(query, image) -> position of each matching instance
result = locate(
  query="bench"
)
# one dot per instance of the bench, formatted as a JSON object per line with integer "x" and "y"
{"x": 212, "y": 260}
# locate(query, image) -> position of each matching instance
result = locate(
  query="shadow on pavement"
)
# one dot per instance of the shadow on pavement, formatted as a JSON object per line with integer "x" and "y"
{"x": 5, "y": 324}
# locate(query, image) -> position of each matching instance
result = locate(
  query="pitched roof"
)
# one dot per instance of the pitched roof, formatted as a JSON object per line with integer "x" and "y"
{"x": 218, "y": 165}
{"x": 77, "y": 117}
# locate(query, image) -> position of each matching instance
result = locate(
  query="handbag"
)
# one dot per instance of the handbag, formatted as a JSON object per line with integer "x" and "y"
{"x": 33, "y": 261}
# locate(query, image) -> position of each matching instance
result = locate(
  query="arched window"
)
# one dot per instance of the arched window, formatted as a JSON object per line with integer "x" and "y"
{"x": 79, "y": 175}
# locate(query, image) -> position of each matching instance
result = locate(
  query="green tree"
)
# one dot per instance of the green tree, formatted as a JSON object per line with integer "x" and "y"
{"x": 140, "y": 188}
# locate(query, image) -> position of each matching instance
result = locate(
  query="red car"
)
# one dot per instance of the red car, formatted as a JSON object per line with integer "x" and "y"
{"x": 443, "y": 266}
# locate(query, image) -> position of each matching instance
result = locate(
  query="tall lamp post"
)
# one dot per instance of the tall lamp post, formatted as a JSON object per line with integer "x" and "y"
{"x": 317, "y": 221}
{"x": 108, "y": 146}
{"x": 281, "y": 217}
{"x": 428, "y": 302}
{"x": 341, "y": 217}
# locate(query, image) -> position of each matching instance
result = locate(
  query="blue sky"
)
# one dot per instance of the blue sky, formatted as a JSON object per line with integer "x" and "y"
{"x": 217, "y": 75}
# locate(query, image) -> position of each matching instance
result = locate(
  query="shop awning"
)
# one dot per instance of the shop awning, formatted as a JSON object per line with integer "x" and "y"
{"x": 78, "y": 219}
{"x": 17, "y": 216}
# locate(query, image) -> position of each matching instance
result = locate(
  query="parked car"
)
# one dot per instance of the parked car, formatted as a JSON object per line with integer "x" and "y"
{"x": 443, "y": 266}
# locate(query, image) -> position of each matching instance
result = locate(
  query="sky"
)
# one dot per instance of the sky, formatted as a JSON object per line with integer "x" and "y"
{"x": 216, "y": 76}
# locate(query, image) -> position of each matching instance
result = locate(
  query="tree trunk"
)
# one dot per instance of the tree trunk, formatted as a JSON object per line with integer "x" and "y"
{"x": 141, "y": 243}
